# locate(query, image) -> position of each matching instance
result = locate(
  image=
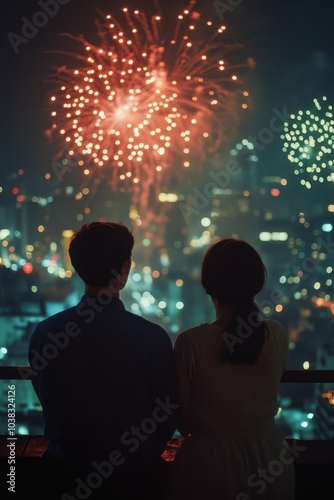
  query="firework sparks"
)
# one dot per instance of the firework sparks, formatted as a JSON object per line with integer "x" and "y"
{"x": 309, "y": 143}
{"x": 139, "y": 107}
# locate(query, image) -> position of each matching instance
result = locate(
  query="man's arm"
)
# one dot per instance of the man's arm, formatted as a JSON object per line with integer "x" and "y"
{"x": 164, "y": 387}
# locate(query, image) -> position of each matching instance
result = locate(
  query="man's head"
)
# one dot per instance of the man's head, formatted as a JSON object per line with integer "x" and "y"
{"x": 100, "y": 251}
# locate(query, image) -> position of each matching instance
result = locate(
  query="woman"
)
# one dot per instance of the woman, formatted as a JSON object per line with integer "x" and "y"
{"x": 229, "y": 375}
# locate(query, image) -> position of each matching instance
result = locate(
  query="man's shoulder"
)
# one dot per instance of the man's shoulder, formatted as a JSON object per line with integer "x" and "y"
{"x": 149, "y": 334}
{"x": 58, "y": 319}
{"x": 144, "y": 324}
{"x": 71, "y": 318}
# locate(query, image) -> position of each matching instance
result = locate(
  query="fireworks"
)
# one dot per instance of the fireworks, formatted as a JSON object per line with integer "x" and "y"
{"x": 140, "y": 107}
{"x": 309, "y": 143}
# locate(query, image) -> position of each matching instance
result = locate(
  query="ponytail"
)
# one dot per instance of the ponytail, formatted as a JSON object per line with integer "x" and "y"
{"x": 245, "y": 335}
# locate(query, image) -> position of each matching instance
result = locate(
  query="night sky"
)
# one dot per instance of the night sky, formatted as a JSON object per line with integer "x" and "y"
{"x": 290, "y": 41}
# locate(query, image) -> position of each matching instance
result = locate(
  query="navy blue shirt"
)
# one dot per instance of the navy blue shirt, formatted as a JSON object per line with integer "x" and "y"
{"x": 106, "y": 381}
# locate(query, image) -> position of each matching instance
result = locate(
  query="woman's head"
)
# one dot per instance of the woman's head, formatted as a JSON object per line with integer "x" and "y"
{"x": 232, "y": 272}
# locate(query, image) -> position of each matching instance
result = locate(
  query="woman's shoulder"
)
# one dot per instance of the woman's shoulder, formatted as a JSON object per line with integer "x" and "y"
{"x": 274, "y": 324}
{"x": 276, "y": 329}
{"x": 191, "y": 334}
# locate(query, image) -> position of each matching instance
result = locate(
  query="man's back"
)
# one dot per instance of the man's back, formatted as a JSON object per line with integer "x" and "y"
{"x": 105, "y": 379}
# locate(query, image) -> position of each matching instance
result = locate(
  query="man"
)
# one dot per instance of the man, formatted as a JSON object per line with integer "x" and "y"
{"x": 105, "y": 378}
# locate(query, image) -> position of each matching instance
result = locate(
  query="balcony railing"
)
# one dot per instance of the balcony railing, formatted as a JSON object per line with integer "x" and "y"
{"x": 314, "y": 467}
{"x": 290, "y": 376}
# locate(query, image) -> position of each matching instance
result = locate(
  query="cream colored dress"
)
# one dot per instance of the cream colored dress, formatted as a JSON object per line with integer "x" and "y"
{"x": 232, "y": 450}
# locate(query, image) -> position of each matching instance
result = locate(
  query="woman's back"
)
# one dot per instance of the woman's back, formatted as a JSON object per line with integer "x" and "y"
{"x": 232, "y": 448}
{"x": 229, "y": 375}
{"x": 228, "y": 399}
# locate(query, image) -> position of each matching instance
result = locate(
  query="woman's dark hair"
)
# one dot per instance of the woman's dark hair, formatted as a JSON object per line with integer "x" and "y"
{"x": 98, "y": 250}
{"x": 233, "y": 274}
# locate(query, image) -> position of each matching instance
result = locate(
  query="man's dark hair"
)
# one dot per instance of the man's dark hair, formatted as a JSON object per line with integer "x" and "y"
{"x": 98, "y": 250}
